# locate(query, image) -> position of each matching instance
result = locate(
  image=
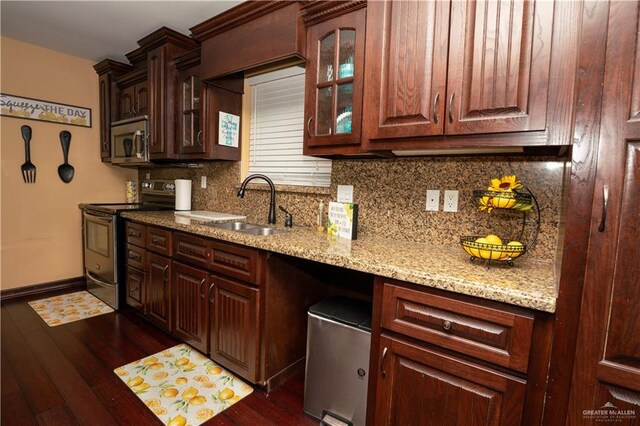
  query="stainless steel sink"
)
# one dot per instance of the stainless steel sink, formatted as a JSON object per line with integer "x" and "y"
{"x": 234, "y": 226}
{"x": 247, "y": 228}
{"x": 263, "y": 231}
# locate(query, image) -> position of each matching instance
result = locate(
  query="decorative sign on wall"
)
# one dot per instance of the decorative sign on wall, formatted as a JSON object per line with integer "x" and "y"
{"x": 228, "y": 129}
{"x": 36, "y": 109}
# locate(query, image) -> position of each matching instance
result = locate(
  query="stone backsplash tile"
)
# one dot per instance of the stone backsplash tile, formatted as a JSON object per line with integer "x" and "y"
{"x": 391, "y": 195}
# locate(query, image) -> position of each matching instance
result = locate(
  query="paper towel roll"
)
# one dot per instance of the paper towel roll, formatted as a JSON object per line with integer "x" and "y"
{"x": 183, "y": 194}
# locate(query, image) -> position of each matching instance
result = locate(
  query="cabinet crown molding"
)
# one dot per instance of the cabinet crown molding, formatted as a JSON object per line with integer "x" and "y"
{"x": 236, "y": 16}
{"x": 108, "y": 65}
{"x": 318, "y": 11}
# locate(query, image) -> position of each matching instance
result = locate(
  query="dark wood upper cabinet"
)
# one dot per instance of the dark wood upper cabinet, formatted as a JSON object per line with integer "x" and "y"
{"x": 456, "y": 68}
{"x": 334, "y": 79}
{"x": 250, "y": 35}
{"x": 197, "y": 137}
{"x": 406, "y": 71}
{"x": 108, "y": 72}
{"x": 191, "y": 307}
{"x": 607, "y": 364}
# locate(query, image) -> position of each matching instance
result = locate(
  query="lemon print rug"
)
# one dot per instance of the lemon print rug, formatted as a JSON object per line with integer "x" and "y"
{"x": 70, "y": 307}
{"x": 181, "y": 386}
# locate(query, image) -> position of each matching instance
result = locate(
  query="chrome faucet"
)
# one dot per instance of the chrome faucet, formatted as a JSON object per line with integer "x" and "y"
{"x": 272, "y": 203}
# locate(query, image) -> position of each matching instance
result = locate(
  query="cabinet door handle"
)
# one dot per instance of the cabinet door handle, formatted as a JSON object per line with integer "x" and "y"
{"x": 165, "y": 276}
{"x": 309, "y": 127}
{"x": 451, "y": 99}
{"x": 435, "y": 108}
{"x": 211, "y": 297}
{"x": 605, "y": 205}
{"x": 198, "y": 138}
{"x": 383, "y": 373}
{"x": 446, "y": 325}
{"x": 202, "y": 295}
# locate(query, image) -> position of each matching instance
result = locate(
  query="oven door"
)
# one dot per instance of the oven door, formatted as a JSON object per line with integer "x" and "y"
{"x": 99, "y": 245}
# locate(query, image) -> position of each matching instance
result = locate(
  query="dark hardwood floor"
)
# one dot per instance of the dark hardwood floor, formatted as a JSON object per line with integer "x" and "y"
{"x": 64, "y": 375}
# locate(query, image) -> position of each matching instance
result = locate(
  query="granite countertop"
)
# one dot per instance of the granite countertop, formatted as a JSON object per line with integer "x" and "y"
{"x": 530, "y": 283}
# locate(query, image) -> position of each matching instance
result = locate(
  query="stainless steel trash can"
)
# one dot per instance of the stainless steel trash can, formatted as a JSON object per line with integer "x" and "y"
{"x": 338, "y": 345}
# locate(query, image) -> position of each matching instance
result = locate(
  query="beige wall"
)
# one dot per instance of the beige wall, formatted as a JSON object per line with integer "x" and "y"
{"x": 40, "y": 238}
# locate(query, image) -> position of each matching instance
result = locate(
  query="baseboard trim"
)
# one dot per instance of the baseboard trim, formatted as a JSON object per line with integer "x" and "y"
{"x": 30, "y": 290}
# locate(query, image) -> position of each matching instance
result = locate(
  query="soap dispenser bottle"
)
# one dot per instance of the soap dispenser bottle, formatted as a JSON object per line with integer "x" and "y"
{"x": 320, "y": 217}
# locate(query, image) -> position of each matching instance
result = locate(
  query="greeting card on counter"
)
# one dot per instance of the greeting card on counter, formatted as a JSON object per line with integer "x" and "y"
{"x": 343, "y": 220}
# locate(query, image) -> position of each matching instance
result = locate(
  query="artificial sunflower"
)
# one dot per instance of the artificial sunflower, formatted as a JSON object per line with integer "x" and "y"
{"x": 506, "y": 184}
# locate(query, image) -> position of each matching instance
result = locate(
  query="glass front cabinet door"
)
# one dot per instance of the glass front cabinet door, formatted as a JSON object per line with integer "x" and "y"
{"x": 334, "y": 84}
{"x": 190, "y": 135}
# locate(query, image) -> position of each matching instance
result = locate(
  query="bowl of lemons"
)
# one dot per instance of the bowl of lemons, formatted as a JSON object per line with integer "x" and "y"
{"x": 491, "y": 247}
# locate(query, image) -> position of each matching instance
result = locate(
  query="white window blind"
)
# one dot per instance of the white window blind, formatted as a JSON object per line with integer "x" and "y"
{"x": 277, "y": 125}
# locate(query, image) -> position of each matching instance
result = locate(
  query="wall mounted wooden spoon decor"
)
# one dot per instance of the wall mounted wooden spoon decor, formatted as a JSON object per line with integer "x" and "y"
{"x": 65, "y": 170}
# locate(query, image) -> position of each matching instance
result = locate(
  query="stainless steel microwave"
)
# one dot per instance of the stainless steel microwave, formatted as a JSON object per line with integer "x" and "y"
{"x": 130, "y": 141}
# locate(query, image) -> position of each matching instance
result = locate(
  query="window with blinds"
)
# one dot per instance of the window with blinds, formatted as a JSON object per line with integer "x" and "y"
{"x": 277, "y": 125}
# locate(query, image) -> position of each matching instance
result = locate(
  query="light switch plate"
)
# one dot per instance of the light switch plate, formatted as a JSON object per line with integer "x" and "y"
{"x": 450, "y": 200}
{"x": 345, "y": 193}
{"x": 203, "y": 182}
{"x": 433, "y": 200}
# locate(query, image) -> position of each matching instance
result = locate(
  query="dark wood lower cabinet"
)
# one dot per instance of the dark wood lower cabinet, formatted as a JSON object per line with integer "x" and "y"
{"x": 420, "y": 386}
{"x": 234, "y": 335}
{"x": 158, "y": 290}
{"x": 190, "y": 309}
{"x": 135, "y": 288}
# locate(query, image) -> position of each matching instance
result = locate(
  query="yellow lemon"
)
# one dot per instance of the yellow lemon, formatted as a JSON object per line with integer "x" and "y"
{"x": 152, "y": 403}
{"x": 161, "y": 375}
{"x": 135, "y": 381}
{"x": 214, "y": 369}
{"x": 182, "y": 361}
{"x": 201, "y": 379}
{"x": 169, "y": 393}
{"x": 189, "y": 366}
{"x": 246, "y": 388}
{"x": 181, "y": 380}
{"x": 226, "y": 393}
{"x": 177, "y": 421}
{"x": 503, "y": 202}
{"x": 141, "y": 388}
{"x": 514, "y": 253}
{"x": 150, "y": 360}
{"x": 190, "y": 393}
{"x": 121, "y": 371}
{"x": 493, "y": 239}
{"x": 156, "y": 366}
{"x": 160, "y": 411}
{"x": 197, "y": 400}
{"x": 204, "y": 414}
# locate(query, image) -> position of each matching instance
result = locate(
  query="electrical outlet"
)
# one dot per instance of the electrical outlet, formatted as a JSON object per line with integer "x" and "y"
{"x": 203, "y": 182}
{"x": 450, "y": 200}
{"x": 433, "y": 200}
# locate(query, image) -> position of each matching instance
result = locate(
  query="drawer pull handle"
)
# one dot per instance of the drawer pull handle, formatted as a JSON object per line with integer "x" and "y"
{"x": 383, "y": 373}
{"x": 605, "y": 205}
{"x": 201, "y": 284}
{"x": 446, "y": 325}
{"x": 436, "y": 120}
{"x": 134, "y": 257}
{"x": 451, "y": 99}
{"x": 309, "y": 127}
{"x": 165, "y": 276}
{"x": 211, "y": 297}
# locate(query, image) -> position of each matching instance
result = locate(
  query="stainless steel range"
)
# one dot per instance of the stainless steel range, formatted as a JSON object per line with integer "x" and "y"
{"x": 104, "y": 239}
